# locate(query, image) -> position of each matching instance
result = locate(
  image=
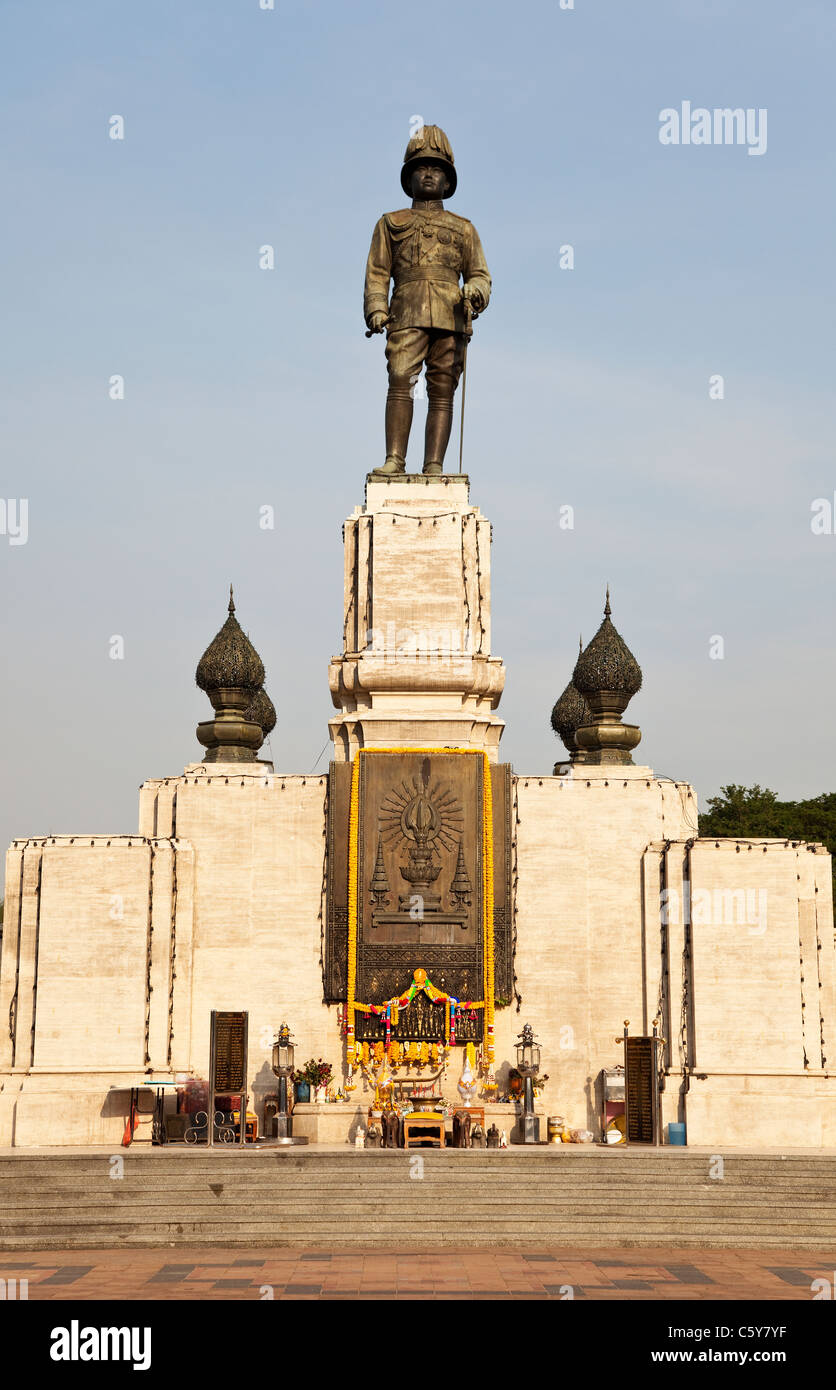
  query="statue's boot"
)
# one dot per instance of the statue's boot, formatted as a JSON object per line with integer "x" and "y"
{"x": 398, "y": 423}
{"x": 437, "y": 435}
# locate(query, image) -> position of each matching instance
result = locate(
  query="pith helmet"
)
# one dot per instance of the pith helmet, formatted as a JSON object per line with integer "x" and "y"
{"x": 429, "y": 142}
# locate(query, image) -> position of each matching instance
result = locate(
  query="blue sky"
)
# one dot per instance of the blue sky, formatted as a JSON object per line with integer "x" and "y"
{"x": 245, "y": 387}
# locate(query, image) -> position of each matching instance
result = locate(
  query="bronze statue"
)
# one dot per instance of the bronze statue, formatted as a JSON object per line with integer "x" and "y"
{"x": 373, "y": 1138}
{"x": 424, "y": 250}
{"x": 461, "y": 1130}
{"x": 391, "y": 1124}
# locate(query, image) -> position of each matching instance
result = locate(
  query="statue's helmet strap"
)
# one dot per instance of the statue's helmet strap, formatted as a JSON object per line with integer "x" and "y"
{"x": 429, "y": 142}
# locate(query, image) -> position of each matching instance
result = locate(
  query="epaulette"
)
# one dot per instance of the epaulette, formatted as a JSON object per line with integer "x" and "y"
{"x": 401, "y": 218}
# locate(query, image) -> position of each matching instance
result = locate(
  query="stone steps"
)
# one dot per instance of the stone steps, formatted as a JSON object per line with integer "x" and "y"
{"x": 600, "y": 1235}
{"x": 671, "y": 1218}
{"x": 548, "y": 1225}
{"x": 343, "y": 1199}
{"x": 340, "y": 1198}
{"x": 266, "y": 1176}
{"x": 383, "y": 1160}
{"x": 96, "y": 1190}
{"x": 336, "y": 1198}
{"x": 400, "y": 1172}
{"x": 293, "y": 1218}
{"x": 543, "y": 1155}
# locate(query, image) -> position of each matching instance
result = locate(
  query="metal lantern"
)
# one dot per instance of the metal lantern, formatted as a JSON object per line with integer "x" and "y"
{"x": 528, "y": 1064}
{"x": 283, "y": 1052}
{"x": 528, "y": 1051}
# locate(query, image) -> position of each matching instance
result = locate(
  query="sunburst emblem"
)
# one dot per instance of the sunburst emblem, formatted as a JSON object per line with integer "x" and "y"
{"x": 421, "y": 813}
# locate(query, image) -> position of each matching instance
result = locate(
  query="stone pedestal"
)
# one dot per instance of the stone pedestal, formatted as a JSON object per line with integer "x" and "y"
{"x": 530, "y": 1130}
{"x": 416, "y": 666}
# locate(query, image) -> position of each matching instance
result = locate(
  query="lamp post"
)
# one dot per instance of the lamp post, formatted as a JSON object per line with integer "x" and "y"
{"x": 283, "y": 1052}
{"x": 528, "y": 1065}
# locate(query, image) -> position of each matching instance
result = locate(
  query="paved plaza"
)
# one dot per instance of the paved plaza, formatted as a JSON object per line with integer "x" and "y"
{"x": 502, "y": 1273}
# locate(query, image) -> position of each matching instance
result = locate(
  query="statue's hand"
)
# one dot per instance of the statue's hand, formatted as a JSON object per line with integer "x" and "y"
{"x": 477, "y": 299}
{"x": 377, "y": 322}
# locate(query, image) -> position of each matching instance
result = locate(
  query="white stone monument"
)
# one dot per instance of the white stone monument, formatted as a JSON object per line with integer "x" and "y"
{"x": 116, "y": 948}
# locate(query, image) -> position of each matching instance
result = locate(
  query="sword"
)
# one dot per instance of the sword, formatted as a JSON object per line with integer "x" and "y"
{"x": 370, "y": 332}
{"x": 468, "y": 334}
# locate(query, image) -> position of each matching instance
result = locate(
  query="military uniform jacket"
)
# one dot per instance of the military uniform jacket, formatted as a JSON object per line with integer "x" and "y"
{"x": 425, "y": 250}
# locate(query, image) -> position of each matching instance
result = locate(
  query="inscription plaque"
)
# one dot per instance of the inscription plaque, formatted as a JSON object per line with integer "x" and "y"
{"x": 229, "y": 1052}
{"x": 641, "y": 1090}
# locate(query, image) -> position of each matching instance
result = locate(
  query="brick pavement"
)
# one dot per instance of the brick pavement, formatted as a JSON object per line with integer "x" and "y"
{"x": 500, "y": 1273}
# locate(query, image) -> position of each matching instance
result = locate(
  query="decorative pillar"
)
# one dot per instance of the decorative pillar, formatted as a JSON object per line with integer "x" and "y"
{"x": 416, "y": 667}
{"x": 570, "y": 713}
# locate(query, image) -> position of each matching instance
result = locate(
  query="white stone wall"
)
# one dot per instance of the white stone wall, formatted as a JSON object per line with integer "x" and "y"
{"x": 248, "y": 905}
{"x": 94, "y": 977}
{"x": 580, "y": 920}
{"x": 752, "y": 998}
{"x": 259, "y": 896}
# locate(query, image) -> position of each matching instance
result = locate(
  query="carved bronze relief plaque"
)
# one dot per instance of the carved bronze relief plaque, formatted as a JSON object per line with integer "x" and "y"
{"x": 420, "y": 850}
{"x": 420, "y": 895}
{"x": 419, "y": 880}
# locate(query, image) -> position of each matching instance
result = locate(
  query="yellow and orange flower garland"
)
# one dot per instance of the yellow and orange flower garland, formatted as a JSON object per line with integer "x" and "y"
{"x": 392, "y": 1006}
{"x": 400, "y": 1054}
{"x": 391, "y": 1009}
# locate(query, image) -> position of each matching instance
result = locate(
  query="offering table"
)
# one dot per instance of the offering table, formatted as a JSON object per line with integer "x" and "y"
{"x": 422, "y": 1129}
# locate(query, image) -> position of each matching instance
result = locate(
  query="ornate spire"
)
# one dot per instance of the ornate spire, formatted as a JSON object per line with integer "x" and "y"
{"x": 607, "y": 665}
{"x": 570, "y": 712}
{"x": 380, "y": 883}
{"x": 230, "y": 661}
{"x": 461, "y": 888}
{"x": 261, "y": 711}
{"x": 232, "y": 674}
{"x": 607, "y": 676}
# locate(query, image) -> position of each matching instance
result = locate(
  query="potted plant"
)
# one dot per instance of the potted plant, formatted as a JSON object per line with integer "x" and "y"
{"x": 319, "y": 1074}
{"x": 301, "y": 1087}
{"x": 315, "y": 1075}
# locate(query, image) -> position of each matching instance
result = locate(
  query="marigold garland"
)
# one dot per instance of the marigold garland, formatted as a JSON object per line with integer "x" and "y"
{"x": 392, "y": 1007}
{"x": 487, "y": 879}
{"x": 354, "y": 805}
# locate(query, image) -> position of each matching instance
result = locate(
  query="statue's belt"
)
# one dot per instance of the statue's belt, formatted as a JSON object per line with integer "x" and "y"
{"x": 445, "y": 274}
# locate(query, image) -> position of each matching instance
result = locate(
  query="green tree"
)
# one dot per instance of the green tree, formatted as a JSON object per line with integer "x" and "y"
{"x": 756, "y": 813}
